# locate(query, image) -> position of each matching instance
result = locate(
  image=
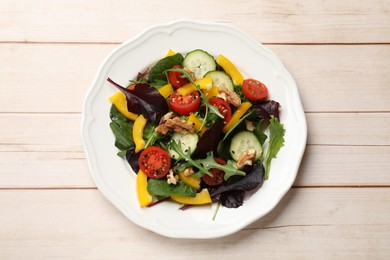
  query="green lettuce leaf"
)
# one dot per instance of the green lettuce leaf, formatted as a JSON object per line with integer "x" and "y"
{"x": 276, "y": 141}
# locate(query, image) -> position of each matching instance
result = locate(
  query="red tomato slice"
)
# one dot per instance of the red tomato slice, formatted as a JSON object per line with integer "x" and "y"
{"x": 217, "y": 178}
{"x": 184, "y": 105}
{"x": 254, "y": 90}
{"x": 175, "y": 78}
{"x": 154, "y": 162}
{"x": 223, "y": 108}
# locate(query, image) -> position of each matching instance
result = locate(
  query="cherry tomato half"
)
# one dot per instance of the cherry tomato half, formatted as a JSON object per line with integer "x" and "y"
{"x": 223, "y": 108}
{"x": 184, "y": 105}
{"x": 175, "y": 77}
{"x": 217, "y": 175}
{"x": 154, "y": 162}
{"x": 254, "y": 90}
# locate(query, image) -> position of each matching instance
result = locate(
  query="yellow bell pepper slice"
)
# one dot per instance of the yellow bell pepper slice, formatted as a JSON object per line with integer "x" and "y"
{"x": 119, "y": 101}
{"x": 204, "y": 83}
{"x": 144, "y": 198}
{"x": 170, "y": 53}
{"x": 209, "y": 93}
{"x": 202, "y": 197}
{"x": 166, "y": 90}
{"x": 237, "y": 115}
{"x": 230, "y": 69}
{"x": 138, "y": 132}
{"x": 198, "y": 125}
{"x": 190, "y": 180}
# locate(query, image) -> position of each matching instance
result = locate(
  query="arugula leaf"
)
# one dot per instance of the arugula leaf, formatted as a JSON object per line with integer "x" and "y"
{"x": 150, "y": 135}
{"x": 162, "y": 188}
{"x": 276, "y": 141}
{"x": 204, "y": 165}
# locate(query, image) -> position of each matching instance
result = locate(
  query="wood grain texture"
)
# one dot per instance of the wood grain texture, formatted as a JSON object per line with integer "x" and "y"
{"x": 298, "y": 21}
{"x": 82, "y": 224}
{"x": 329, "y": 78}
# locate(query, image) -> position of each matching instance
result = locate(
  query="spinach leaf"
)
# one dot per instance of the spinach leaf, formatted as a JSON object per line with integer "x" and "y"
{"x": 276, "y": 141}
{"x": 123, "y": 132}
{"x": 115, "y": 115}
{"x": 162, "y": 188}
{"x": 146, "y": 100}
{"x": 157, "y": 72}
{"x": 122, "y": 128}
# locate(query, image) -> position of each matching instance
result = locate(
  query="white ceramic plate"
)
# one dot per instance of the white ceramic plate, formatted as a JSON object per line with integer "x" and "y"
{"x": 115, "y": 179}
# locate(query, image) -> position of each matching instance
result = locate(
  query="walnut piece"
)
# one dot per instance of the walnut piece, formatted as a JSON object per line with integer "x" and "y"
{"x": 188, "y": 172}
{"x": 168, "y": 122}
{"x": 230, "y": 96}
{"x": 246, "y": 158}
{"x": 172, "y": 178}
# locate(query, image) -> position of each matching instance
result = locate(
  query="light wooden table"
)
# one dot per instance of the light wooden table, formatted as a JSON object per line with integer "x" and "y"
{"x": 339, "y": 54}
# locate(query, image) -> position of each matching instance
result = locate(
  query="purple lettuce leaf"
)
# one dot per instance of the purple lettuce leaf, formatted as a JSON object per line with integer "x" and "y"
{"x": 232, "y": 199}
{"x": 252, "y": 180}
{"x": 266, "y": 109}
{"x": 210, "y": 139}
{"x": 144, "y": 99}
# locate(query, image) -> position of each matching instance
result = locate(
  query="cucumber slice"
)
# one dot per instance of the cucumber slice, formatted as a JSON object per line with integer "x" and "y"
{"x": 188, "y": 143}
{"x": 199, "y": 62}
{"x": 244, "y": 141}
{"x": 221, "y": 79}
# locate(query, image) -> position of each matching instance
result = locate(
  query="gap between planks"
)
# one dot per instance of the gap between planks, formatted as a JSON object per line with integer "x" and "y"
{"x": 292, "y": 187}
{"x": 264, "y": 43}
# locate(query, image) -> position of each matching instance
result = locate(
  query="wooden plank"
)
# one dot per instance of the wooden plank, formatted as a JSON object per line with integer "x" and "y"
{"x": 37, "y": 132}
{"x": 344, "y": 166}
{"x": 73, "y": 224}
{"x": 44, "y": 170}
{"x": 339, "y": 78}
{"x": 276, "y": 21}
{"x": 61, "y": 73}
{"x": 327, "y": 76}
{"x": 348, "y": 128}
{"x": 321, "y": 166}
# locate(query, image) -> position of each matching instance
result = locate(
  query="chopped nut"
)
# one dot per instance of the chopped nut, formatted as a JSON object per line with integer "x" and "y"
{"x": 250, "y": 125}
{"x": 230, "y": 96}
{"x": 188, "y": 172}
{"x": 172, "y": 178}
{"x": 246, "y": 158}
{"x": 168, "y": 122}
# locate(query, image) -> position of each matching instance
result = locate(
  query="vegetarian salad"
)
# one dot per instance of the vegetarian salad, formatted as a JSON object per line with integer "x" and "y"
{"x": 195, "y": 130}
